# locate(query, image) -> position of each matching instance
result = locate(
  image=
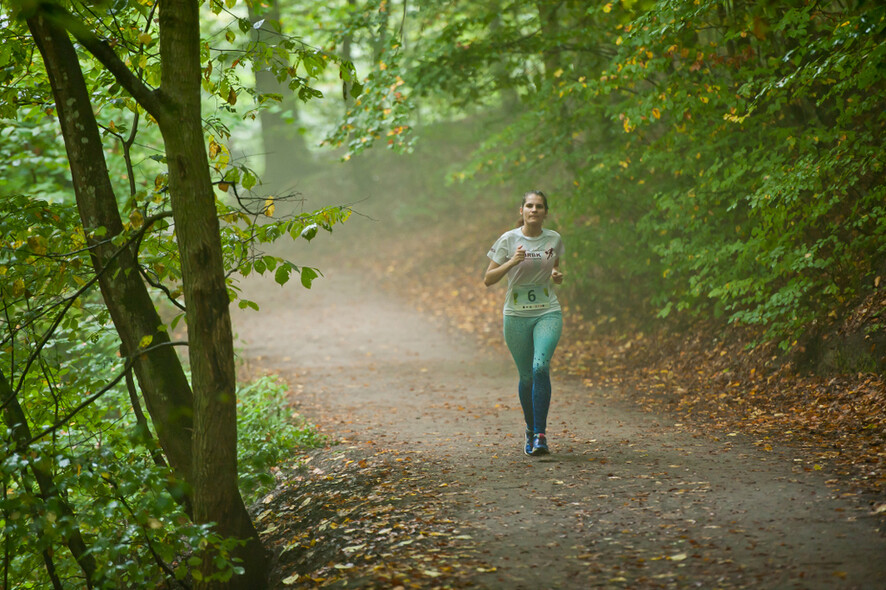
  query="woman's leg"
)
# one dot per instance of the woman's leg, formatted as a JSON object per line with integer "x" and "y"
{"x": 518, "y": 337}
{"x": 545, "y": 336}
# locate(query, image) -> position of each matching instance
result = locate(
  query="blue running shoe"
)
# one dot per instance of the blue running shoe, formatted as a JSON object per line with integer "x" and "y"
{"x": 527, "y": 445}
{"x": 539, "y": 445}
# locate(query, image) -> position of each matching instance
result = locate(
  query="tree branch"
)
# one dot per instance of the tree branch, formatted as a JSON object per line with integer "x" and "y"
{"x": 103, "y": 390}
{"x": 104, "y": 53}
{"x": 70, "y": 301}
{"x": 160, "y": 287}
{"x": 150, "y": 543}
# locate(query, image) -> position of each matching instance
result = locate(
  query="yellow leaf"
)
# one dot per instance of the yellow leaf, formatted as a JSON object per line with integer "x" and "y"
{"x": 656, "y": 113}
{"x": 608, "y": 7}
{"x": 145, "y": 341}
{"x": 619, "y": 41}
{"x": 269, "y": 207}
{"x": 37, "y": 244}
{"x": 144, "y": 38}
{"x": 18, "y": 288}
{"x": 136, "y": 219}
{"x": 558, "y": 73}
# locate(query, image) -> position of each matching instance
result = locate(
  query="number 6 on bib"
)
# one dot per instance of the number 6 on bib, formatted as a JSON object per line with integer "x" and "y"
{"x": 528, "y": 297}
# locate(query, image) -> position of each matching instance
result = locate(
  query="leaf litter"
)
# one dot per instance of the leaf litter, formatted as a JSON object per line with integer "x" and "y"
{"x": 345, "y": 519}
{"x": 352, "y": 520}
{"x": 707, "y": 377}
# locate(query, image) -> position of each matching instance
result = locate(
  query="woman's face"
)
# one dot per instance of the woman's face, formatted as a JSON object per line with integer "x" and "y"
{"x": 533, "y": 210}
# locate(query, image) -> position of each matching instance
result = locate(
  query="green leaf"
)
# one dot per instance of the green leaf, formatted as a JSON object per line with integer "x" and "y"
{"x": 310, "y": 232}
{"x": 307, "y": 276}
{"x": 248, "y": 181}
{"x": 244, "y": 303}
{"x": 282, "y": 274}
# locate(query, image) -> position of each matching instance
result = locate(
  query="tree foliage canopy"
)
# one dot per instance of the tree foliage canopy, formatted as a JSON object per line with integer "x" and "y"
{"x": 707, "y": 157}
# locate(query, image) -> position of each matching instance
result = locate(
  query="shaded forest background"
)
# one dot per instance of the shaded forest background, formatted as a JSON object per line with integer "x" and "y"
{"x": 715, "y": 168}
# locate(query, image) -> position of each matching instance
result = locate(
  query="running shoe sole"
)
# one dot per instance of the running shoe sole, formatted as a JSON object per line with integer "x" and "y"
{"x": 539, "y": 449}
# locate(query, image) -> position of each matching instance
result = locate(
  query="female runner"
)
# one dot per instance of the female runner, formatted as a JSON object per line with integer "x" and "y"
{"x": 530, "y": 257}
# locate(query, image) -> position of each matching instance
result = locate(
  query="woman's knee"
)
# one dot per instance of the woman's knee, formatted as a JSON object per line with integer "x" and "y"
{"x": 541, "y": 371}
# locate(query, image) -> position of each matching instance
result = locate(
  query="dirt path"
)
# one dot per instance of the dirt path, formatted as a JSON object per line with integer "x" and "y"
{"x": 626, "y": 500}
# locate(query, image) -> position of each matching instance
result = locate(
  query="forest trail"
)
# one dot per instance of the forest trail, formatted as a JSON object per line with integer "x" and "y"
{"x": 430, "y": 440}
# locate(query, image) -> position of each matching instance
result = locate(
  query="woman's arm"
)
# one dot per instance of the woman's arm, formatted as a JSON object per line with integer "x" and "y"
{"x": 495, "y": 271}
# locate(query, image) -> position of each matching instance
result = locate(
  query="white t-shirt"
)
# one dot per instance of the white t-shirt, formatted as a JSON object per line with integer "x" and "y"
{"x": 530, "y": 289}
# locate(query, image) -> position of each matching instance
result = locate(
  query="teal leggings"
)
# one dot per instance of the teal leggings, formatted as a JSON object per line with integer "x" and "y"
{"x": 532, "y": 342}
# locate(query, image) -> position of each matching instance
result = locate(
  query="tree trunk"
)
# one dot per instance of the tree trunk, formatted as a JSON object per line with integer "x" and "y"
{"x": 550, "y": 28}
{"x": 285, "y": 151}
{"x": 347, "y": 85}
{"x": 17, "y": 423}
{"x": 160, "y": 374}
{"x": 208, "y": 457}
{"x": 214, "y": 476}
{"x": 510, "y": 100}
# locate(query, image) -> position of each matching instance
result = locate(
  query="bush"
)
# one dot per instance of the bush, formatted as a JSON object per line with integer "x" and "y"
{"x": 268, "y": 434}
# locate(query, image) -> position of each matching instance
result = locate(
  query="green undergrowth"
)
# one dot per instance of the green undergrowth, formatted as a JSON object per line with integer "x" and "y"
{"x": 268, "y": 434}
{"x": 121, "y": 499}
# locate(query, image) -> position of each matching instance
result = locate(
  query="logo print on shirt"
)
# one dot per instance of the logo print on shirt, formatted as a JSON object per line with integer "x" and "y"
{"x": 550, "y": 252}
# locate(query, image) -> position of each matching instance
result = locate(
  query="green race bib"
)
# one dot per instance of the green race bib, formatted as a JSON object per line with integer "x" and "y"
{"x": 526, "y": 297}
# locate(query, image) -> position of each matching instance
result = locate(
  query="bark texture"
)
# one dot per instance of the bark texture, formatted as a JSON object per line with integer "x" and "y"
{"x": 214, "y": 476}
{"x": 160, "y": 374}
{"x": 198, "y": 431}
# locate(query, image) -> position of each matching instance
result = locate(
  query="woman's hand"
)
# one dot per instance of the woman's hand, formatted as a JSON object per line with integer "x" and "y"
{"x": 496, "y": 271}
{"x": 519, "y": 256}
{"x": 557, "y": 276}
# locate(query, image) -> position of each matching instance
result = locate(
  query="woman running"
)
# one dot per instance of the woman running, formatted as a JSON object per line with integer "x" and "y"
{"x": 530, "y": 257}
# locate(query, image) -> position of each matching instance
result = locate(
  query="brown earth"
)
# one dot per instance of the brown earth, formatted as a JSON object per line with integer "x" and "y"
{"x": 428, "y": 486}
